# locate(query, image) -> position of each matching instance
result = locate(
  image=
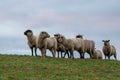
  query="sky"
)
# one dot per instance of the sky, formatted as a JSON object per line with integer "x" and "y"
{"x": 95, "y": 19}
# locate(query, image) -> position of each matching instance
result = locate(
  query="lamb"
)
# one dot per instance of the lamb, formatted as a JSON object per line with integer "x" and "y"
{"x": 47, "y": 42}
{"x": 97, "y": 54}
{"x": 72, "y": 44}
{"x": 32, "y": 41}
{"x": 60, "y": 47}
{"x": 89, "y": 46}
{"x": 109, "y": 50}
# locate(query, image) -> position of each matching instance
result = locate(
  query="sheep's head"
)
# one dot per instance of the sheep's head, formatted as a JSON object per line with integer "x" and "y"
{"x": 79, "y": 36}
{"x": 106, "y": 42}
{"x": 61, "y": 38}
{"x": 28, "y": 33}
{"x": 57, "y": 35}
{"x": 44, "y": 35}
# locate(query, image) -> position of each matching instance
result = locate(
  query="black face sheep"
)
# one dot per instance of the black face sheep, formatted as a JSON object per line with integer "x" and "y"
{"x": 47, "y": 42}
{"x": 97, "y": 54}
{"x": 32, "y": 41}
{"x": 60, "y": 47}
{"x": 108, "y": 49}
{"x": 89, "y": 46}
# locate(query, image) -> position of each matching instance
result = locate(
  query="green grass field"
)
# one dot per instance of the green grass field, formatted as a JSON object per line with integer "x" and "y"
{"x": 13, "y": 67}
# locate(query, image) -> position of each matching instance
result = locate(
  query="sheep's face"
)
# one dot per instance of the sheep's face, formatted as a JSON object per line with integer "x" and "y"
{"x": 25, "y": 33}
{"x": 44, "y": 35}
{"x": 106, "y": 42}
{"x": 79, "y": 36}
{"x": 60, "y": 39}
{"x": 56, "y": 36}
{"x": 28, "y": 33}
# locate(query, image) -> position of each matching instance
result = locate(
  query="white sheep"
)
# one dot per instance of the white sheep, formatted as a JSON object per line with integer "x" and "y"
{"x": 47, "y": 42}
{"x": 32, "y": 41}
{"x": 109, "y": 50}
{"x": 97, "y": 54}
{"x": 68, "y": 43}
{"x": 89, "y": 46}
{"x": 72, "y": 44}
{"x": 79, "y": 46}
{"x": 60, "y": 47}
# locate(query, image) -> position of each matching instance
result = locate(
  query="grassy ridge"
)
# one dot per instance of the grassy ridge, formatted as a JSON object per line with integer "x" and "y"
{"x": 14, "y": 67}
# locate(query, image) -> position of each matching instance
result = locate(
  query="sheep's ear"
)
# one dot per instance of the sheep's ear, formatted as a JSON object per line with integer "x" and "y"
{"x": 55, "y": 35}
{"x": 103, "y": 40}
{"x": 79, "y": 36}
{"x": 108, "y": 40}
{"x": 25, "y": 33}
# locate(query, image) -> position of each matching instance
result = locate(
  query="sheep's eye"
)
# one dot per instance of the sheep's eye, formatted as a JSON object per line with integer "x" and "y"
{"x": 55, "y": 35}
{"x": 61, "y": 37}
{"x": 42, "y": 32}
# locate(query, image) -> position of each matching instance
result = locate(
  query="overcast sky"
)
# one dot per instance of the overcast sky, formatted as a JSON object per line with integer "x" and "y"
{"x": 95, "y": 19}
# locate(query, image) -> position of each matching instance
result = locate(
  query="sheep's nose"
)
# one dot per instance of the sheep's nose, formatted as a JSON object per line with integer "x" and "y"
{"x": 48, "y": 35}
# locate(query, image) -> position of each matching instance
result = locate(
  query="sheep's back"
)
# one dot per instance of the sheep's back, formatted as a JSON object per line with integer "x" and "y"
{"x": 51, "y": 42}
{"x": 89, "y": 44}
{"x": 97, "y": 54}
{"x": 69, "y": 44}
{"x": 78, "y": 43}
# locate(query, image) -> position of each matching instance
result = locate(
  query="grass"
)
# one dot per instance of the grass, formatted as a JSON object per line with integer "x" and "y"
{"x": 13, "y": 67}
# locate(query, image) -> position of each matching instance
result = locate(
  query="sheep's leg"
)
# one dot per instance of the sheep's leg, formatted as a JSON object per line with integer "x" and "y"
{"x": 43, "y": 51}
{"x": 64, "y": 55}
{"x": 91, "y": 53}
{"x": 61, "y": 55}
{"x": 109, "y": 57}
{"x": 58, "y": 54}
{"x": 68, "y": 55}
{"x": 35, "y": 51}
{"x": 115, "y": 57}
{"x": 71, "y": 53}
{"x": 81, "y": 56}
{"x": 32, "y": 50}
{"x": 53, "y": 52}
{"x": 105, "y": 56}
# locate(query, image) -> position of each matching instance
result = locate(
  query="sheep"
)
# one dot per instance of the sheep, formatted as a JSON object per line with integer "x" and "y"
{"x": 89, "y": 46}
{"x": 72, "y": 44}
{"x": 32, "y": 41}
{"x": 97, "y": 54}
{"x": 47, "y": 42}
{"x": 60, "y": 47}
{"x": 109, "y": 50}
